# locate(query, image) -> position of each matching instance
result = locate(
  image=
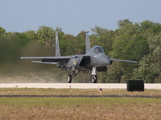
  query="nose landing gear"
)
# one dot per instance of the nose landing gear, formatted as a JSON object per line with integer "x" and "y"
{"x": 94, "y": 78}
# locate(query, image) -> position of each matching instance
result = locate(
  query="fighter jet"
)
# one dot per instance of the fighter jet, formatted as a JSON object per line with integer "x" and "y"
{"x": 94, "y": 59}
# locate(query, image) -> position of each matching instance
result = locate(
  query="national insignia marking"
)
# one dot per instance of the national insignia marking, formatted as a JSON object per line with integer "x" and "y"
{"x": 74, "y": 62}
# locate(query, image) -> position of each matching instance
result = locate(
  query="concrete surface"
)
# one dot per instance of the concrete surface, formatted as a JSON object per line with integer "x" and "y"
{"x": 76, "y": 85}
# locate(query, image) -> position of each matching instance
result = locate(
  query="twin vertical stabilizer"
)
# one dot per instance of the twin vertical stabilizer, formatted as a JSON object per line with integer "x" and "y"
{"x": 88, "y": 47}
{"x": 57, "y": 50}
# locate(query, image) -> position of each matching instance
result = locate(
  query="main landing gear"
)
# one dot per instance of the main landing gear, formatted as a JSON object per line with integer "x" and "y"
{"x": 94, "y": 76}
{"x": 69, "y": 78}
{"x": 73, "y": 72}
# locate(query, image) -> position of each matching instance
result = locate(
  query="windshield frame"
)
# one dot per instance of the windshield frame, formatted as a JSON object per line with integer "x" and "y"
{"x": 97, "y": 49}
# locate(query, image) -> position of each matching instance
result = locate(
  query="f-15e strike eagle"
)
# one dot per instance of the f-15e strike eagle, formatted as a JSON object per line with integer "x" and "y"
{"x": 94, "y": 59}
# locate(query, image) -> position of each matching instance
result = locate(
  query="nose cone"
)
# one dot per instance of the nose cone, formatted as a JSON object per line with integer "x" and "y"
{"x": 103, "y": 60}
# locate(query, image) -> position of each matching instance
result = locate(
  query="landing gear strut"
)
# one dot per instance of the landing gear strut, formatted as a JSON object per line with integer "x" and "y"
{"x": 69, "y": 78}
{"x": 94, "y": 76}
{"x": 73, "y": 72}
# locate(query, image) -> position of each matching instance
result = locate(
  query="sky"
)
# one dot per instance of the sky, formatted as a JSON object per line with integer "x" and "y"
{"x": 73, "y": 16}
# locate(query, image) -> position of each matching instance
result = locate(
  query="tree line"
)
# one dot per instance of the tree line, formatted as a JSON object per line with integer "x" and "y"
{"x": 139, "y": 42}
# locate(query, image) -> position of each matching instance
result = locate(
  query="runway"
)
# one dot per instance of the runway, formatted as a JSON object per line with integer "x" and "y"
{"x": 76, "y": 85}
{"x": 133, "y": 96}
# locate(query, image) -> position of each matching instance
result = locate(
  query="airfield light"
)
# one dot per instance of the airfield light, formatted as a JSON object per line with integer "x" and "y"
{"x": 100, "y": 91}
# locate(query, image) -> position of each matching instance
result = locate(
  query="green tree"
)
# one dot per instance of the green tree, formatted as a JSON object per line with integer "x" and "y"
{"x": 46, "y": 35}
{"x": 103, "y": 37}
{"x": 31, "y": 35}
{"x": 129, "y": 44}
{"x": 80, "y": 42}
{"x": 2, "y": 31}
{"x": 114, "y": 73}
{"x": 123, "y": 23}
{"x": 68, "y": 45}
{"x": 149, "y": 66}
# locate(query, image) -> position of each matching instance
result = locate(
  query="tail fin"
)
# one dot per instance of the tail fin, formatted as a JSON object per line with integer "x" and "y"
{"x": 88, "y": 47}
{"x": 57, "y": 50}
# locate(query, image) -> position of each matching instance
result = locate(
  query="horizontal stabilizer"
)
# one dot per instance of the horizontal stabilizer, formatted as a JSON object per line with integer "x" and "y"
{"x": 44, "y": 62}
{"x": 61, "y": 57}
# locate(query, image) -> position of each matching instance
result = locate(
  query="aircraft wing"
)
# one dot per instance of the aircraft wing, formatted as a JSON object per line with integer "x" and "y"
{"x": 45, "y": 62}
{"x": 48, "y": 60}
{"x": 122, "y": 60}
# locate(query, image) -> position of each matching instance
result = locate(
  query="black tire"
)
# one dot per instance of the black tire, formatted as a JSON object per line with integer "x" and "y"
{"x": 94, "y": 79}
{"x": 69, "y": 78}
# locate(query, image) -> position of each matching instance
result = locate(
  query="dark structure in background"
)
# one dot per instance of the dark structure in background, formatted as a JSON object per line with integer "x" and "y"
{"x": 135, "y": 85}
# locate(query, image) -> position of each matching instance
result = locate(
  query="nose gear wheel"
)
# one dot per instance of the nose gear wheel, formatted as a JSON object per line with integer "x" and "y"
{"x": 94, "y": 79}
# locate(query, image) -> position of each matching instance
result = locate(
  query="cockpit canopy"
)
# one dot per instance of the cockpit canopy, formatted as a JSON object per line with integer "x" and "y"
{"x": 97, "y": 49}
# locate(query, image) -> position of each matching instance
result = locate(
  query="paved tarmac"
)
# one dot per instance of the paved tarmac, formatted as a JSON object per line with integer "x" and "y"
{"x": 133, "y": 96}
{"x": 76, "y": 85}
